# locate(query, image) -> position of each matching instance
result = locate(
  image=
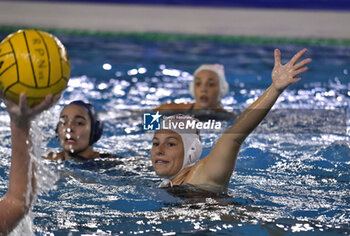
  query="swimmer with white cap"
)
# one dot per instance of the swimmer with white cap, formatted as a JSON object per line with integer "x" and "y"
{"x": 18, "y": 199}
{"x": 175, "y": 153}
{"x": 208, "y": 87}
{"x": 192, "y": 149}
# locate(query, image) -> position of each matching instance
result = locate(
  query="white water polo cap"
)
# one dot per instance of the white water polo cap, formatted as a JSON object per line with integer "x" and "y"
{"x": 217, "y": 69}
{"x": 190, "y": 138}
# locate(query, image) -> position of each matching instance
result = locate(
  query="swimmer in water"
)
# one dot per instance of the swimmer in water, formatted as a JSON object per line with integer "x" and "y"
{"x": 77, "y": 130}
{"x": 175, "y": 152}
{"x": 15, "y": 205}
{"x": 208, "y": 87}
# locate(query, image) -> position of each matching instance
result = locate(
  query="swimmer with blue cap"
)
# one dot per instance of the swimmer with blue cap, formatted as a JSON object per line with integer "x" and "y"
{"x": 208, "y": 87}
{"x": 77, "y": 130}
{"x": 17, "y": 201}
{"x": 176, "y": 153}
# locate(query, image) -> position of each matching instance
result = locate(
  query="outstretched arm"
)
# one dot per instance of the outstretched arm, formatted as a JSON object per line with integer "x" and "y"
{"x": 220, "y": 163}
{"x": 16, "y": 202}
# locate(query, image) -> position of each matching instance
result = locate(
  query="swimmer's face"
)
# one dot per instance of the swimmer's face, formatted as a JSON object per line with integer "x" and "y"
{"x": 206, "y": 89}
{"x": 167, "y": 153}
{"x": 74, "y": 128}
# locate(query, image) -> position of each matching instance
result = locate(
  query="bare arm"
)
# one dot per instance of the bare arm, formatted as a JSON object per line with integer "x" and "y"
{"x": 217, "y": 167}
{"x": 15, "y": 204}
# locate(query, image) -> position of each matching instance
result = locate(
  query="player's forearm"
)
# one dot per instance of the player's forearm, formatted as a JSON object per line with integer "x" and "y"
{"x": 254, "y": 114}
{"x": 20, "y": 161}
{"x": 14, "y": 204}
{"x": 11, "y": 212}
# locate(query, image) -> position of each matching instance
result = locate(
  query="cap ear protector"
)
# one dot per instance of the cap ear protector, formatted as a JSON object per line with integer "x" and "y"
{"x": 192, "y": 145}
{"x": 96, "y": 124}
{"x": 96, "y": 132}
{"x": 194, "y": 151}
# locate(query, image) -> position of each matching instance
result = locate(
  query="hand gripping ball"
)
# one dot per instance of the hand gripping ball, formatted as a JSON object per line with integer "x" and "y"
{"x": 35, "y": 63}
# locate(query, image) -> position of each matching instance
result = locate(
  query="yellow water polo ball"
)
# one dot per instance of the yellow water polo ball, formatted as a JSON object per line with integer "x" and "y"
{"x": 35, "y": 63}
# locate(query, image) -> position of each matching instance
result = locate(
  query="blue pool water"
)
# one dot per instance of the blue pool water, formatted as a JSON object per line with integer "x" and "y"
{"x": 292, "y": 175}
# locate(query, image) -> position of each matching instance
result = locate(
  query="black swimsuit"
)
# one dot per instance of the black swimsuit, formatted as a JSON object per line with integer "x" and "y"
{"x": 210, "y": 114}
{"x": 102, "y": 155}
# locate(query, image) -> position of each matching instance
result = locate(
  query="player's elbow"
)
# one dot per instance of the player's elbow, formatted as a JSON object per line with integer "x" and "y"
{"x": 18, "y": 205}
{"x": 14, "y": 211}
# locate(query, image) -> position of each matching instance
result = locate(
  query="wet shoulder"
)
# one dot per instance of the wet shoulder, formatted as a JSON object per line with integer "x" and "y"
{"x": 55, "y": 156}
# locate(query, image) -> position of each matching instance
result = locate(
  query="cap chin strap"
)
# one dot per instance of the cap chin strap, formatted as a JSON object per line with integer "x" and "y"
{"x": 166, "y": 183}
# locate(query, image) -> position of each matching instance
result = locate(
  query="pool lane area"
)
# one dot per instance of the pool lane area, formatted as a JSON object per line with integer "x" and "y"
{"x": 194, "y": 20}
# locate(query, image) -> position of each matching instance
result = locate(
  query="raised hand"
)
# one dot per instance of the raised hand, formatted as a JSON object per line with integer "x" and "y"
{"x": 22, "y": 114}
{"x": 284, "y": 75}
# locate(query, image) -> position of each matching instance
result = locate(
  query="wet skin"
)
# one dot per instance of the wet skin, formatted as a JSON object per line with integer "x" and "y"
{"x": 74, "y": 130}
{"x": 167, "y": 153}
{"x": 206, "y": 90}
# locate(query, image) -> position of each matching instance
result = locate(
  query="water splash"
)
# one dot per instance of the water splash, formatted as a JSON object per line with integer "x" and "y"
{"x": 298, "y": 182}
{"x": 45, "y": 175}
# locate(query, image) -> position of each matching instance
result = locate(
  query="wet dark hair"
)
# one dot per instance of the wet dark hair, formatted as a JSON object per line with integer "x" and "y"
{"x": 96, "y": 124}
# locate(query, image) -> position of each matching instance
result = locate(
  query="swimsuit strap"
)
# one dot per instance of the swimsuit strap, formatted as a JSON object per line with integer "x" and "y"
{"x": 77, "y": 156}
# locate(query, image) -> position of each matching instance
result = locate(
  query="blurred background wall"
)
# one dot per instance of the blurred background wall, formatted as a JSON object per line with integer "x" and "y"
{"x": 319, "y": 19}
